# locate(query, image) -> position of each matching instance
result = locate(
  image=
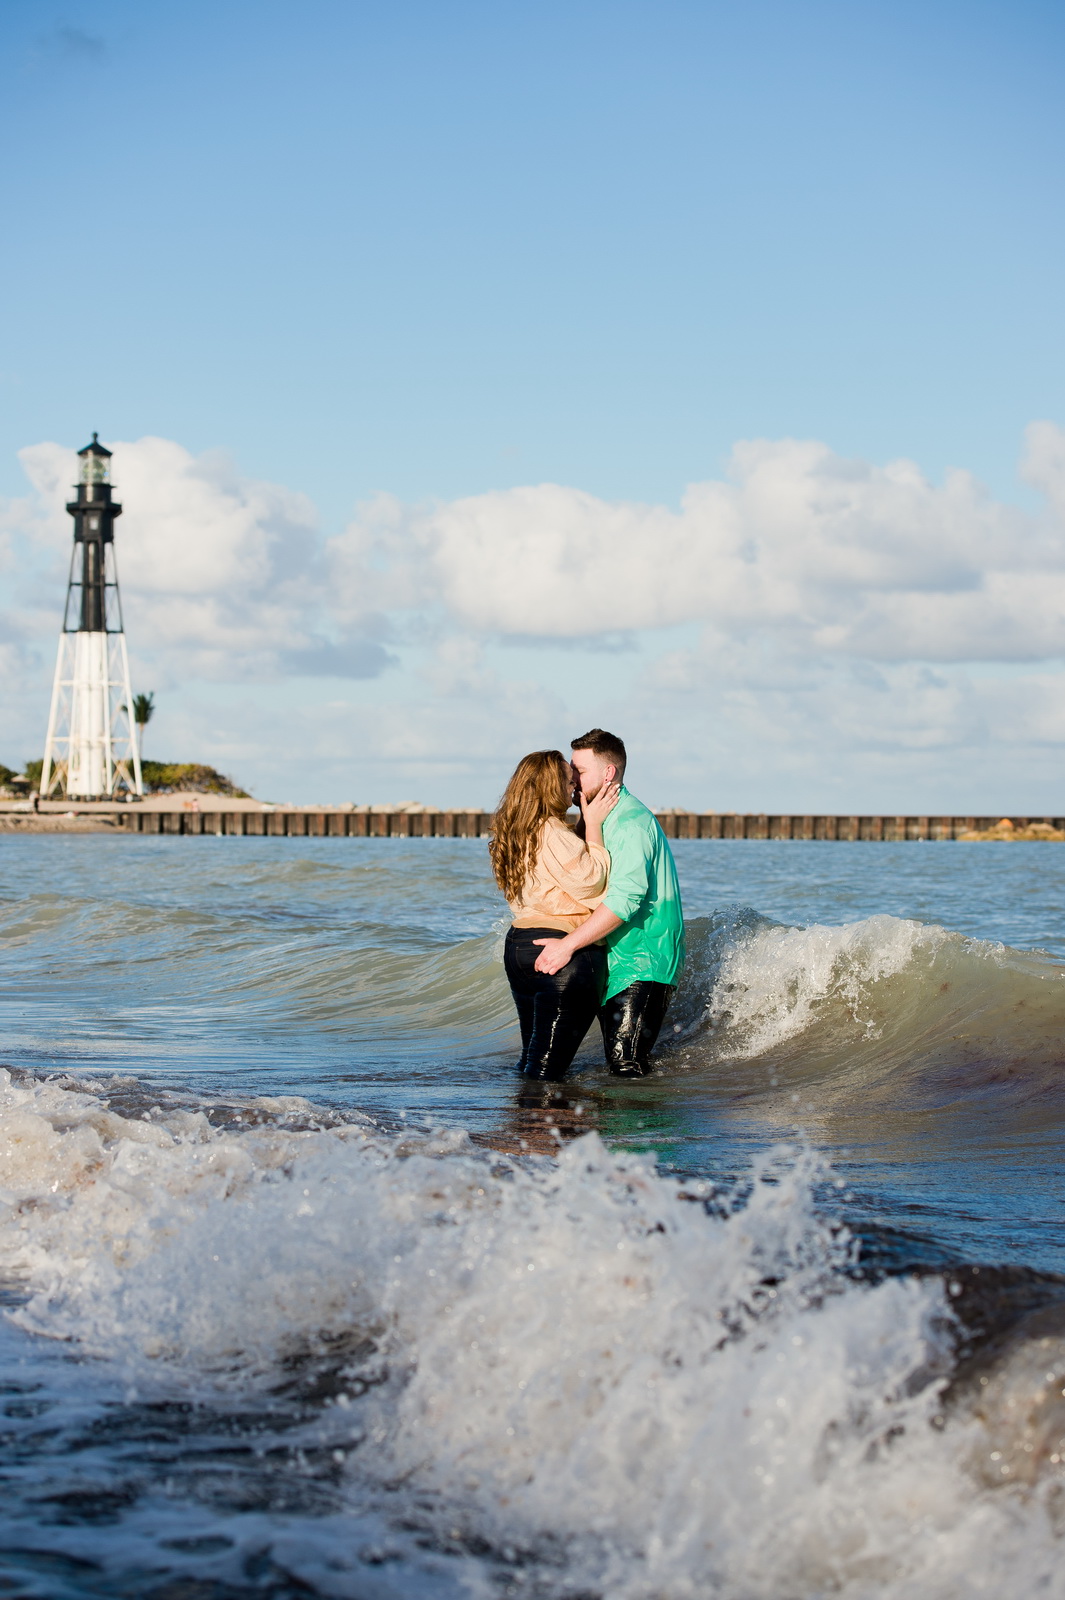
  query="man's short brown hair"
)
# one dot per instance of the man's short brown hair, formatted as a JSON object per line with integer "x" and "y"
{"x": 606, "y": 745}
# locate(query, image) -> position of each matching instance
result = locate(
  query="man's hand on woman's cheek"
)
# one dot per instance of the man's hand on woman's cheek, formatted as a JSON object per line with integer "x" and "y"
{"x": 554, "y": 955}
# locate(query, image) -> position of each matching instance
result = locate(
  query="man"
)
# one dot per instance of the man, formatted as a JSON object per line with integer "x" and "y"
{"x": 640, "y": 921}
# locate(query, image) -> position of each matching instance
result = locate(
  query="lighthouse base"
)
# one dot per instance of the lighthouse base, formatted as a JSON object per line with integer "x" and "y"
{"x": 91, "y": 752}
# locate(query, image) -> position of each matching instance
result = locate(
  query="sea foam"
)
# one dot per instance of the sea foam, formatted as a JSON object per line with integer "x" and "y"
{"x": 578, "y": 1369}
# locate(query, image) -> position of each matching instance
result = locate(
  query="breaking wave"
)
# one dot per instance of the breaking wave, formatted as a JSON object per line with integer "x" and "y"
{"x": 885, "y": 1004}
{"x": 444, "y": 1371}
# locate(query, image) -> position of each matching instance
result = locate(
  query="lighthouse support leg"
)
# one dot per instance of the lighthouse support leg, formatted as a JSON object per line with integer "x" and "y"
{"x": 56, "y": 769}
{"x": 125, "y": 751}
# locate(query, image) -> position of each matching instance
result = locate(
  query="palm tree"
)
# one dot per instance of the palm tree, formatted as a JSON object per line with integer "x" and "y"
{"x": 143, "y": 706}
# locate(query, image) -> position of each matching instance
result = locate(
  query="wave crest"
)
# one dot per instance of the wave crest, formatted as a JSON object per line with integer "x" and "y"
{"x": 886, "y": 1004}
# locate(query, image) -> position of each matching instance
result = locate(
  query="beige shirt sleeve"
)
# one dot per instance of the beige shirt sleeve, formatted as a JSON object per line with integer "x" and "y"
{"x": 566, "y": 884}
{"x": 579, "y": 868}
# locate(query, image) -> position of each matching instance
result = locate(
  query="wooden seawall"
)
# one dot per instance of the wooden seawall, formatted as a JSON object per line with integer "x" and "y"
{"x": 378, "y": 822}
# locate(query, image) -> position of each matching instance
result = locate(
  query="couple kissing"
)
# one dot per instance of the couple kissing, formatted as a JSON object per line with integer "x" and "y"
{"x": 597, "y": 929}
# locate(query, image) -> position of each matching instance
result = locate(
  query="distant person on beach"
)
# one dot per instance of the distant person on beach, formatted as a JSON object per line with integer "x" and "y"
{"x": 553, "y": 881}
{"x": 639, "y": 918}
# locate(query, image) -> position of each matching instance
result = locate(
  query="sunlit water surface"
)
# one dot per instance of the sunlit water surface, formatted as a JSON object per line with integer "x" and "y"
{"x": 301, "y": 1300}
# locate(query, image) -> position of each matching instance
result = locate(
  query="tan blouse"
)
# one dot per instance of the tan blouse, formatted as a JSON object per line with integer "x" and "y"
{"x": 566, "y": 882}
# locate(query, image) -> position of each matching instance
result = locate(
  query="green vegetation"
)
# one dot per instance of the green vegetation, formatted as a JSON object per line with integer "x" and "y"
{"x": 160, "y": 777}
{"x": 164, "y": 777}
{"x": 143, "y": 706}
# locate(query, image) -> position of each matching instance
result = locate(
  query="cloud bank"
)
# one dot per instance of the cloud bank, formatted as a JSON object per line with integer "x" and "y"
{"x": 806, "y": 621}
{"x": 223, "y": 574}
{"x": 836, "y": 556}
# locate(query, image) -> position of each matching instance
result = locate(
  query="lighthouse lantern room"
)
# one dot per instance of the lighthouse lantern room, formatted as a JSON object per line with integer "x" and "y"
{"x": 91, "y": 751}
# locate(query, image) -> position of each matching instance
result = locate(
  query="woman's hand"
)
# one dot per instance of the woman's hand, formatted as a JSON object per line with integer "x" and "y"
{"x": 595, "y": 812}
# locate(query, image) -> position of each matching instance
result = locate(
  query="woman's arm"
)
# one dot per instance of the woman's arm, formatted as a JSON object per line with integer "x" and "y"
{"x": 595, "y": 812}
{"x": 580, "y": 866}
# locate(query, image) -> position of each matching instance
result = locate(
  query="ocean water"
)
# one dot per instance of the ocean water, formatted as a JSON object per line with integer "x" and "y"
{"x": 302, "y": 1296}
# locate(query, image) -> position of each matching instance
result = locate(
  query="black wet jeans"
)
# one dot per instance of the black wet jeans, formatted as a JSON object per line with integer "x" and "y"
{"x": 554, "y": 1013}
{"x": 630, "y": 1022}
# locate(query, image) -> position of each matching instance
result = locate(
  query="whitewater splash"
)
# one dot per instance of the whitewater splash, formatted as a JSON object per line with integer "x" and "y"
{"x": 906, "y": 1012}
{"x": 762, "y": 984}
{"x": 446, "y": 1371}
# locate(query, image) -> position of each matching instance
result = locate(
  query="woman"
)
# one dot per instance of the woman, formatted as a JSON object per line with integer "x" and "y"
{"x": 553, "y": 881}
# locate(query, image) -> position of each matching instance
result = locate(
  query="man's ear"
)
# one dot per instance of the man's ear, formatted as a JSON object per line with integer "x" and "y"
{"x": 611, "y": 773}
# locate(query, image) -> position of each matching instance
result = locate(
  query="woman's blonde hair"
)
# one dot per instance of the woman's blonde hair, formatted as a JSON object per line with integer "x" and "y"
{"x": 540, "y": 788}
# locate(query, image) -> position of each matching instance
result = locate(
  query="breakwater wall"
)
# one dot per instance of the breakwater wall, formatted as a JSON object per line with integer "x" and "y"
{"x": 380, "y": 822}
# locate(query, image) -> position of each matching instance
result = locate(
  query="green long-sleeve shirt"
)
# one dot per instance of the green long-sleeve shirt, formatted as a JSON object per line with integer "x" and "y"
{"x": 643, "y": 891}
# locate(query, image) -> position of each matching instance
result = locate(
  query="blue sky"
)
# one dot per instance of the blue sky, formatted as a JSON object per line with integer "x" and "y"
{"x": 443, "y": 251}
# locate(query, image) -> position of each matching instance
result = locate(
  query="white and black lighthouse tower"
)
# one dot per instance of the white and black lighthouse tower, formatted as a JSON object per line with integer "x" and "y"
{"x": 91, "y": 752}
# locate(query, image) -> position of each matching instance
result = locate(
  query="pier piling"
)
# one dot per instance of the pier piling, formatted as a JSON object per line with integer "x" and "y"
{"x": 383, "y": 822}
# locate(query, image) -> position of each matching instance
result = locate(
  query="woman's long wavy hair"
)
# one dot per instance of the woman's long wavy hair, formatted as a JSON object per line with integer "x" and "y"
{"x": 540, "y": 788}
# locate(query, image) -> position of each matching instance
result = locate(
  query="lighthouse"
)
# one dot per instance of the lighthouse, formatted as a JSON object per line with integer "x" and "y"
{"x": 91, "y": 752}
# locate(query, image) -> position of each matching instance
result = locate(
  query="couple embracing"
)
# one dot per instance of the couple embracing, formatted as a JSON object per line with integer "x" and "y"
{"x": 598, "y": 929}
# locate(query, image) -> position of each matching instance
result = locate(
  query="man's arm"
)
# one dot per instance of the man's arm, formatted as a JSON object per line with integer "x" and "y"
{"x": 627, "y": 889}
{"x": 631, "y": 869}
{"x": 556, "y": 953}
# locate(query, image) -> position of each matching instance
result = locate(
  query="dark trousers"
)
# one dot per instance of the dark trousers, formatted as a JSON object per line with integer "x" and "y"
{"x": 554, "y": 1012}
{"x": 630, "y": 1022}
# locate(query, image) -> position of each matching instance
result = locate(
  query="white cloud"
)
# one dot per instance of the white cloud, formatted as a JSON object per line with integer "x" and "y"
{"x": 804, "y": 628}
{"x": 1044, "y": 463}
{"x": 221, "y": 575}
{"x": 229, "y": 576}
{"x": 848, "y": 557}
